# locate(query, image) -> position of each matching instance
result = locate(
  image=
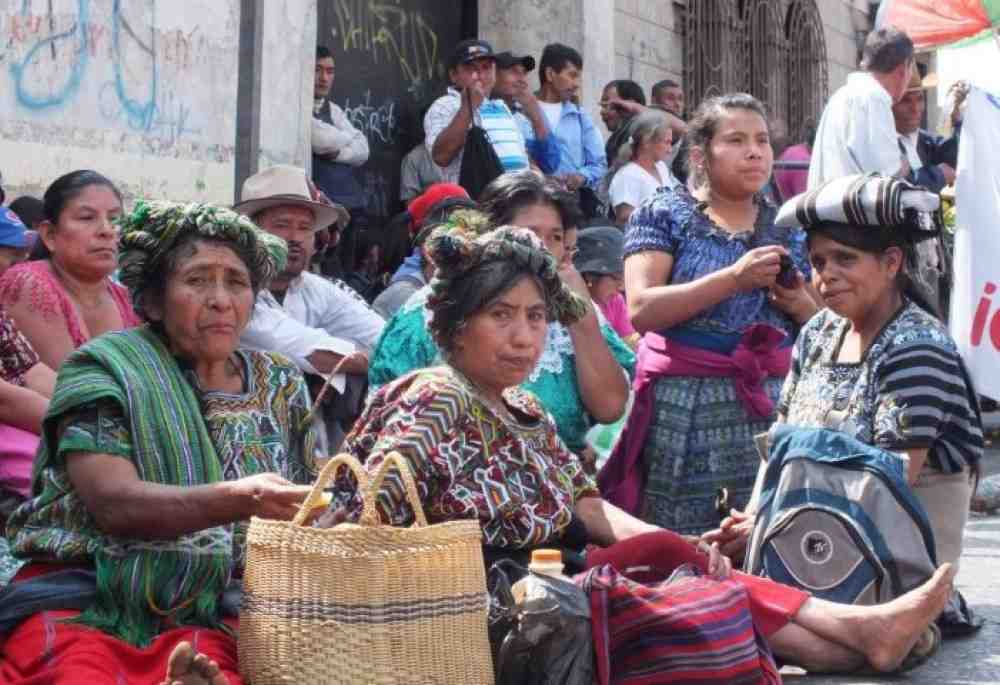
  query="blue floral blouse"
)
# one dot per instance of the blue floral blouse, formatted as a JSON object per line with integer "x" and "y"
{"x": 674, "y": 222}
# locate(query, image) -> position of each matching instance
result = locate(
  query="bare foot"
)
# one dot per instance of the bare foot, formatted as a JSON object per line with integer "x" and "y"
{"x": 901, "y": 622}
{"x": 187, "y": 667}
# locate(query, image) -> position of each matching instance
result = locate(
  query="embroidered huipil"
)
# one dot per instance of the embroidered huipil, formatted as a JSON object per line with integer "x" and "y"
{"x": 504, "y": 465}
{"x": 406, "y": 344}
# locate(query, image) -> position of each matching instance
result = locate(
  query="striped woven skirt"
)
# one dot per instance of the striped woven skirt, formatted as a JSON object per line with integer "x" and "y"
{"x": 700, "y": 439}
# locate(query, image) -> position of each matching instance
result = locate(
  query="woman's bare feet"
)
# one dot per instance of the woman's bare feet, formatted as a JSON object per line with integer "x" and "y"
{"x": 899, "y": 624}
{"x": 187, "y": 667}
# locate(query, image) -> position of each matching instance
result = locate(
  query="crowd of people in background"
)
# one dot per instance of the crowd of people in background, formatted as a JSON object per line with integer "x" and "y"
{"x": 171, "y": 369}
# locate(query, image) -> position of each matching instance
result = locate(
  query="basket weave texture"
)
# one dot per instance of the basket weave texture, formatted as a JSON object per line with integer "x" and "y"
{"x": 364, "y": 603}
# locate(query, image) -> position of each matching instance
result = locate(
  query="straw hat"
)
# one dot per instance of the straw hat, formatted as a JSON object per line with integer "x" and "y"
{"x": 282, "y": 185}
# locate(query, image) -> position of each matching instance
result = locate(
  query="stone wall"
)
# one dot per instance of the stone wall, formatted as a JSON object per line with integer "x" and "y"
{"x": 649, "y": 41}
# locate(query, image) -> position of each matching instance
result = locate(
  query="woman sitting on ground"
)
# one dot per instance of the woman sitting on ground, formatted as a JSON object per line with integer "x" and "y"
{"x": 482, "y": 447}
{"x": 64, "y": 295}
{"x": 159, "y": 445}
{"x": 579, "y": 377}
{"x": 877, "y": 363}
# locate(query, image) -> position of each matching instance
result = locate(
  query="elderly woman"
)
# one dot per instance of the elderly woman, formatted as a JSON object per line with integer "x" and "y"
{"x": 641, "y": 168}
{"x": 482, "y": 447}
{"x": 64, "y": 296}
{"x": 579, "y": 377}
{"x": 702, "y": 284}
{"x": 877, "y": 363}
{"x": 160, "y": 443}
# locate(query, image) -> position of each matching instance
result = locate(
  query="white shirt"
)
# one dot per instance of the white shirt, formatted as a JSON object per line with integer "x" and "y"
{"x": 909, "y": 141}
{"x": 633, "y": 185}
{"x": 553, "y": 113}
{"x": 856, "y": 134}
{"x": 340, "y": 136}
{"x": 316, "y": 314}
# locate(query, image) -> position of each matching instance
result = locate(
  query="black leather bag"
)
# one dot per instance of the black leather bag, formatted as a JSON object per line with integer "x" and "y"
{"x": 480, "y": 164}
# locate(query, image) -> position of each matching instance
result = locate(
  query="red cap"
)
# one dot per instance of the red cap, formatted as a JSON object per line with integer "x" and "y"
{"x": 422, "y": 204}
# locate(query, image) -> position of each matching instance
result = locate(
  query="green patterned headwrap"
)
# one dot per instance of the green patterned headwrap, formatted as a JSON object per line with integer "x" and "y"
{"x": 457, "y": 255}
{"x": 154, "y": 228}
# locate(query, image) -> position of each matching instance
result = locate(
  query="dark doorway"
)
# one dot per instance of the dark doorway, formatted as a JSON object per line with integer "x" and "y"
{"x": 390, "y": 60}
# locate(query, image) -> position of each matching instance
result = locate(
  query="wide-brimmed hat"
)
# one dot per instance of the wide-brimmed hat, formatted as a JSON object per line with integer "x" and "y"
{"x": 282, "y": 185}
{"x": 600, "y": 250}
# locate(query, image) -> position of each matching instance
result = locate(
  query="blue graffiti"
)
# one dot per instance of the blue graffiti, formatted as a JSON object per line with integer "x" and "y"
{"x": 140, "y": 112}
{"x": 72, "y": 85}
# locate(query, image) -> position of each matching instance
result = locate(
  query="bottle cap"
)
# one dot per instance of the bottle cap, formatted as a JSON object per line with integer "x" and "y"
{"x": 546, "y": 556}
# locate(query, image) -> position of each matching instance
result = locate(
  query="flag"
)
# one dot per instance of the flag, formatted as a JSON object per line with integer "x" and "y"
{"x": 975, "y": 301}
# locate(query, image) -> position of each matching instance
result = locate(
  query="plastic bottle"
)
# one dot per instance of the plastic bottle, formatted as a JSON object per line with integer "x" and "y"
{"x": 546, "y": 562}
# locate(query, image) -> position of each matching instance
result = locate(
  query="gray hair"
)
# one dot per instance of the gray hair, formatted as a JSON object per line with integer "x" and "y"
{"x": 642, "y": 128}
{"x": 886, "y": 49}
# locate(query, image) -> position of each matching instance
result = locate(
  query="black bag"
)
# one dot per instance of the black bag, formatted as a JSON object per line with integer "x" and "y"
{"x": 480, "y": 164}
{"x": 545, "y": 640}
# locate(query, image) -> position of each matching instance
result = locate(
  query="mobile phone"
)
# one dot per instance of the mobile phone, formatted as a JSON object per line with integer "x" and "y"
{"x": 787, "y": 275}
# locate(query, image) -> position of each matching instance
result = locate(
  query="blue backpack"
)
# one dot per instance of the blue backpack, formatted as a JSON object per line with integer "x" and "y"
{"x": 837, "y": 518}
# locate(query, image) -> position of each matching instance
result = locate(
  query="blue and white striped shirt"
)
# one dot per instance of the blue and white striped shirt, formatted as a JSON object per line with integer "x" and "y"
{"x": 493, "y": 116}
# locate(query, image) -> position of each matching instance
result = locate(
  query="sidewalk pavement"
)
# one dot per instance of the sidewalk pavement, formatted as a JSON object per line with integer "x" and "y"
{"x": 969, "y": 661}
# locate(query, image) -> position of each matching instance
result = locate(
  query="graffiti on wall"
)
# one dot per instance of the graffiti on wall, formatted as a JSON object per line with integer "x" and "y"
{"x": 106, "y": 64}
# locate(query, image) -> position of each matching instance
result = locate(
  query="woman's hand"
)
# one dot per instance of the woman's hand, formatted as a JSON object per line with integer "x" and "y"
{"x": 573, "y": 280}
{"x": 271, "y": 496}
{"x": 732, "y": 535}
{"x": 757, "y": 268}
{"x": 795, "y": 301}
{"x": 719, "y": 565}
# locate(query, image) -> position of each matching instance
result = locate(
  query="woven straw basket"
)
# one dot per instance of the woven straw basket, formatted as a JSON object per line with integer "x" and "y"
{"x": 364, "y": 603}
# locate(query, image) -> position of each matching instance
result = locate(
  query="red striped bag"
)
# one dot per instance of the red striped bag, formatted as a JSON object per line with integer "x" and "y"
{"x": 687, "y": 628}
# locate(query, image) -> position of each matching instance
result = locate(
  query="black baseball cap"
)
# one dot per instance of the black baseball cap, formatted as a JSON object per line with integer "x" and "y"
{"x": 505, "y": 60}
{"x": 469, "y": 51}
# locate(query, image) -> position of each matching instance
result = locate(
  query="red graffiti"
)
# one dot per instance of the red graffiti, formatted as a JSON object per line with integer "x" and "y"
{"x": 982, "y": 315}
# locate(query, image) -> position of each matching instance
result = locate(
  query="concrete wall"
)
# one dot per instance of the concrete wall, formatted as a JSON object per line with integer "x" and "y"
{"x": 527, "y": 26}
{"x": 288, "y": 66}
{"x": 144, "y": 91}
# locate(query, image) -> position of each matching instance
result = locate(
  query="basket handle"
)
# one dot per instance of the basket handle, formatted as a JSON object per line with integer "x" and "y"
{"x": 402, "y": 465}
{"x": 367, "y": 487}
{"x": 324, "y": 478}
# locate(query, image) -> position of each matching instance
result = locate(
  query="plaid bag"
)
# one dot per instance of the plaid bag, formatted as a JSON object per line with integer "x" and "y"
{"x": 687, "y": 628}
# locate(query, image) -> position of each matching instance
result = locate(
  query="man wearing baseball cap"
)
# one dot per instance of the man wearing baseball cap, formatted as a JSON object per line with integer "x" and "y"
{"x": 472, "y": 71}
{"x": 512, "y": 87}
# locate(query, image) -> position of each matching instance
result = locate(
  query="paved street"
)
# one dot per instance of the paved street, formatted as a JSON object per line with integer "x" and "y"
{"x": 971, "y": 661}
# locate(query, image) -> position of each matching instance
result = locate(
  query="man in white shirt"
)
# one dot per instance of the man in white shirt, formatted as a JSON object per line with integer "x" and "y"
{"x": 857, "y": 132}
{"x": 317, "y": 323}
{"x": 338, "y": 149}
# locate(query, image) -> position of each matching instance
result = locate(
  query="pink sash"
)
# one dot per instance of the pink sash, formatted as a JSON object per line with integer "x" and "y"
{"x": 758, "y": 355}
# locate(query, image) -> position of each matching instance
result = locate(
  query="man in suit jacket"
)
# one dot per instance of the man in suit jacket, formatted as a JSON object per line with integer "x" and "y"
{"x": 932, "y": 158}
